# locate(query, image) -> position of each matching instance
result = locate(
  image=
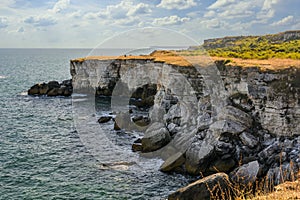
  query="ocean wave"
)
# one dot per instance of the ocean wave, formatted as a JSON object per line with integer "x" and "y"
{"x": 2, "y": 77}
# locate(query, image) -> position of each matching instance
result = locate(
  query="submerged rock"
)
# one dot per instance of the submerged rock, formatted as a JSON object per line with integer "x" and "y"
{"x": 104, "y": 119}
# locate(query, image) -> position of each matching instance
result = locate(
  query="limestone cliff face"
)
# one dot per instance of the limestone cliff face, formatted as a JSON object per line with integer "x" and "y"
{"x": 207, "y": 119}
{"x": 271, "y": 96}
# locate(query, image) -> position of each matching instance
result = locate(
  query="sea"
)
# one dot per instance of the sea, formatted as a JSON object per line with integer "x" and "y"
{"x": 42, "y": 154}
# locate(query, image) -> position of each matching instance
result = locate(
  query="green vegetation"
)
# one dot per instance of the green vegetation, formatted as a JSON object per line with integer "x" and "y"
{"x": 263, "y": 49}
{"x": 251, "y": 47}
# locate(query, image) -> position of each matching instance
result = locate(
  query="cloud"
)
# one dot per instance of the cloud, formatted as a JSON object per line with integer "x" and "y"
{"x": 284, "y": 21}
{"x": 221, "y": 4}
{"x": 3, "y": 22}
{"x": 176, "y": 4}
{"x": 20, "y": 30}
{"x": 8, "y": 3}
{"x": 267, "y": 10}
{"x": 171, "y": 20}
{"x": 40, "y": 21}
{"x": 268, "y": 4}
{"x": 124, "y": 9}
{"x": 60, "y": 5}
{"x": 231, "y": 9}
{"x": 138, "y": 9}
{"x": 210, "y": 13}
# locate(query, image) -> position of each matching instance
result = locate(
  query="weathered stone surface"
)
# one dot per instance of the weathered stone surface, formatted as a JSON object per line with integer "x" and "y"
{"x": 198, "y": 156}
{"x": 222, "y": 165}
{"x": 246, "y": 174}
{"x": 52, "y": 88}
{"x": 173, "y": 162}
{"x": 256, "y": 118}
{"x": 216, "y": 186}
{"x": 232, "y": 120}
{"x": 248, "y": 139}
{"x": 53, "y": 92}
{"x": 156, "y": 136}
{"x": 34, "y": 90}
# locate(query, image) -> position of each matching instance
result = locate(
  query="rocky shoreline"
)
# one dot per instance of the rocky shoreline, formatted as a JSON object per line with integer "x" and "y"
{"x": 239, "y": 134}
{"x": 52, "y": 88}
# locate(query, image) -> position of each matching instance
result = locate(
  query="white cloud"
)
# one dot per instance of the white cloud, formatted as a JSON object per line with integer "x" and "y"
{"x": 268, "y": 4}
{"x": 231, "y": 9}
{"x": 267, "y": 10}
{"x": 176, "y": 4}
{"x": 138, "y": 9}
{"x": 7, "y": 3}
{"x": 210, "y": 13}
{"x": 40, "y": 20}
{"x": 171, "y": 20}
{"x": 284, "y": 21}
{"x": 60, "y": 5}
{"x": 3, "y": 22}
{"x": 221, "y": 3}
{"x": 20, "y": 30}
{"x": 124, "y": 9}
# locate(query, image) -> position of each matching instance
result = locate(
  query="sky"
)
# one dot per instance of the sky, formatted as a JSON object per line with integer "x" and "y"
{"x": 87, "y": 23}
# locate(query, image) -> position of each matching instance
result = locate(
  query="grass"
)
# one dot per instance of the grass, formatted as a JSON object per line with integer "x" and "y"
{"x": 250, "y": 47}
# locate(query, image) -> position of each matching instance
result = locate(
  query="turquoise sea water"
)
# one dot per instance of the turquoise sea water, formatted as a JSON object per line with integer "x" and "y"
{"x": 41, "y": 153}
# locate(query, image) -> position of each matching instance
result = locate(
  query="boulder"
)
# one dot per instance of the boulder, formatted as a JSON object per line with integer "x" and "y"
{"x": 216, "y": 186}
{"x": 34, "y": 90}
{"x": 53, "y": 92}
{"x": 246, "y": 174}
{"x": 43, "y": 89}
{"x": 248, "y": 139}
{"x": 116, "y": 126}
{"x": 136, "y": 147}
{"x": 156, "y": 136}
{"x": 198, "y": 156}
{"x": 222, "y": 165}
{"x": 53, "y": 84}
{"x": 104, "y": 119}
{"x": 68, "y": 91}
{"x": 173, "y": 162}
{"x": 229, "y": 126}
{"x": 67, "y": 82}
{"x": 232, "y": 120}
{"x": 122, "y": 121}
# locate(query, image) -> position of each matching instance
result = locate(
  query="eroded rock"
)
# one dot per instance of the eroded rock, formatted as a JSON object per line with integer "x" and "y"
{"x": 156, "y": 136}
{"x": 216, "y": 186}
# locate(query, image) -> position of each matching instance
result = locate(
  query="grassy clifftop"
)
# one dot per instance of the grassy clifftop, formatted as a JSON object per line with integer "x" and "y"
{"x": 281, "y": 45}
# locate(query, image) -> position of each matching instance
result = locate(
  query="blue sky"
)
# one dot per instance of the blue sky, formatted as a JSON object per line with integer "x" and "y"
{"x": 78, "y": 23}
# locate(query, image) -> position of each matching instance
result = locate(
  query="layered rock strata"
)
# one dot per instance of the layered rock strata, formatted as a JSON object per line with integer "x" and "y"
{"x": 244, "y": 121}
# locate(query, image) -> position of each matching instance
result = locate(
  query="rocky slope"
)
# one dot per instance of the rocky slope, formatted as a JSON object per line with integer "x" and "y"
{"x": 206, "y": 118}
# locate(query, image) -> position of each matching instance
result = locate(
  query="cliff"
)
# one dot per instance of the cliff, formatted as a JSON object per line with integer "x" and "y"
{"x": 234, "y": 40}
{"x": 208, "y": 116}
{"x": 281, "y": 45}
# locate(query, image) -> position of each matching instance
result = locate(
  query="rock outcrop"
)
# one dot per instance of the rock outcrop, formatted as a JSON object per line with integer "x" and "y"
{"x": 216, "y": 186}
{"x": 52, "y": 88}
{"x": 244, "y": 121}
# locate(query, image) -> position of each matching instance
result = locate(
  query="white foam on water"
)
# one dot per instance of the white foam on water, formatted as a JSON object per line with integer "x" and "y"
{"x": 2, "y": 77}
{"x": 24, "y": 93}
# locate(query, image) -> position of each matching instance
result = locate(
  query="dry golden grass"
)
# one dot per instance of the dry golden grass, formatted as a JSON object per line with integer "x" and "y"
{"x": 285, "y": 191}
{"x": 157, "y": 56}
{"x": 174, "y": 58}
{"x": 272, "y": 64}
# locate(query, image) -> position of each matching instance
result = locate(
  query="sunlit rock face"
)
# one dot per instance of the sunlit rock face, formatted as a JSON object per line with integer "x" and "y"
{"x": 272, "y": 97}
{"x": 217, "y": 119}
